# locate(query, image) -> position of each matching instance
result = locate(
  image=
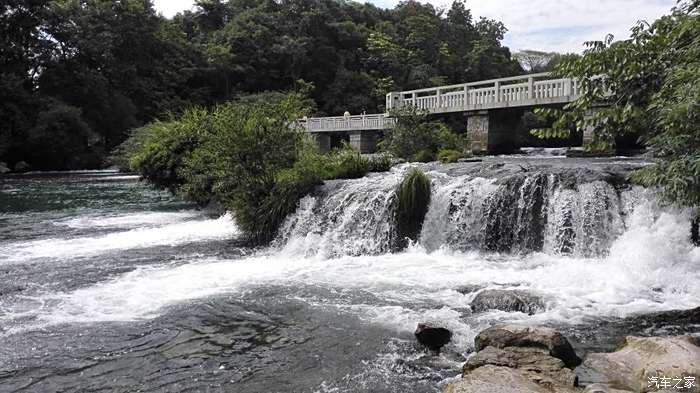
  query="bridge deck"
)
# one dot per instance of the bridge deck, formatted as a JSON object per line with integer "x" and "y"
{"x": 520, "y": 91}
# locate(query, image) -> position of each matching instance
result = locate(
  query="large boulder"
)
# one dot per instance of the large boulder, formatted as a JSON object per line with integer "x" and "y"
{"x": 502, "y": 336}
{"x": 518, "y": 359}
{"x": 536, "y": 362}
{"x": 507, "y": 300}
{"x": 497, "y": 379}
{"x": 641, "y": 358}
{"x": 432, "y": 337}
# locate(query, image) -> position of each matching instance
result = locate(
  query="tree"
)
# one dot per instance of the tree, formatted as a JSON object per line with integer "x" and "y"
{"x": 646, "y": 86}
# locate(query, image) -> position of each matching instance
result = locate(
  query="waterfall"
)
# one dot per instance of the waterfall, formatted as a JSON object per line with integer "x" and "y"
{"x": 516, "y": 210}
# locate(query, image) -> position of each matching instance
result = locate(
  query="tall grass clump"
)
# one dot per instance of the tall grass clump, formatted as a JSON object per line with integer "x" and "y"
{"x": 413, "y": 199}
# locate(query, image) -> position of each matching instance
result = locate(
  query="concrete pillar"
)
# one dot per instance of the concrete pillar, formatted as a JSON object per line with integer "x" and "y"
{"x": 493, "y": 131}
{"x": 478, "y": 132}
{"x": 589, "y": 131}
{"x": 364, "y": 141}
{"x": 324, "y": 141}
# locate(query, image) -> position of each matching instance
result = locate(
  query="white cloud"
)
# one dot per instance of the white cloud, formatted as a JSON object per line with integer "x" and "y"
{"x": 561, "y": 25}
{"x": 551, "y": 25}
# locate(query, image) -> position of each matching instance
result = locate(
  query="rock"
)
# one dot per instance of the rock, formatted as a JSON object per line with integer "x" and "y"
{"x": 432, "y": 337}
{"x": 507, "y": 300}
{"x": 495, "y": 379}
{"x": 22, "y": 166}
{"x": 469, "y": 288}
{"x": 541, "y": 367}
{"x": 3, "y": 168}
{"x": 502, "y": 336}
{"x": 603, "y": 388}
{"x": 470, "y": 160}
{"x": 642, "y": 357}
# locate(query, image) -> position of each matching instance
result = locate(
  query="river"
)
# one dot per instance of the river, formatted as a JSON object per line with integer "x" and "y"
{"x": 108, "y": 285}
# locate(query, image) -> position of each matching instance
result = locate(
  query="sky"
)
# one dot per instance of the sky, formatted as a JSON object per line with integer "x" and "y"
{"x": 548, "y": 25}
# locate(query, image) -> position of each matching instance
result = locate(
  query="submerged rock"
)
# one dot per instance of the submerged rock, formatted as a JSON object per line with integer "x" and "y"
{"x": 641, "y": 358}
{"x": 432, "y": 337}
{"x": 469, "y": 288}
{"x": 4, "y": 168}
{"x": 507, "y": 300}
{"x": 502, "y": 336}
{"x": 22, "y": 166}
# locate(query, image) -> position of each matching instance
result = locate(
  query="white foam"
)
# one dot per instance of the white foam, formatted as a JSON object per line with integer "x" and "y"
{"x": 650, "y": 267}
{"x": 132, "y": 220}
{"x": 166, "y": 235}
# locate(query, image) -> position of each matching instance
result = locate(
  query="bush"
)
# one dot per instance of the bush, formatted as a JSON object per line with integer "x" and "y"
{"x": 416, "y": 138}
{"x": 159, "y": 150}
{"x": 62, "y": 140}
{"x": 448, "y": 155}
{"x": 423, "y": 155}
{"x": 413, "y": 199}
{"x": 246, "y": 155}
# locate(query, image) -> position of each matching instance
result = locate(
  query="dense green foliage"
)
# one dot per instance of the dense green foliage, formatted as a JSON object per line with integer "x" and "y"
{"x": 246, "y": 155}
{"x": 416, "y": 138}
{"x": 413, "y": 200}
{"x": 648, "y": 86}
{"x": 118, "y": 65}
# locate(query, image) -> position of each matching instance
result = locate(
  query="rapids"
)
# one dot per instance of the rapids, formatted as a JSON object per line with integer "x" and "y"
{"x": 106, "y": 285}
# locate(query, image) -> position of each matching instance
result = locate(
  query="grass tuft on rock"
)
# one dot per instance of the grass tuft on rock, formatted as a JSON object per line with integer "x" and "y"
{"x": 413, "y": 199}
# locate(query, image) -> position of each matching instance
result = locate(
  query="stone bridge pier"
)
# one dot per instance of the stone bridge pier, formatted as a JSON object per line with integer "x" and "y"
{"x": 492, "y": 131}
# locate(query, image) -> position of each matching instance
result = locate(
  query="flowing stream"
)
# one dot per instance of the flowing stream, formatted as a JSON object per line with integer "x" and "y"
{"x": 107, "y": 285}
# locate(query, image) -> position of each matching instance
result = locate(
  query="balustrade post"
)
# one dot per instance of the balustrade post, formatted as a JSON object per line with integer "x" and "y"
{"x": 439, "y": 99}
{"x": 530, "y": 87}
{"x": 497, "y": 85}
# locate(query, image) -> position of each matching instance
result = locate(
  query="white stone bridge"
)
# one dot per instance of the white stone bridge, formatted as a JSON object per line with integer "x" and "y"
{"x": 486, "y": 104}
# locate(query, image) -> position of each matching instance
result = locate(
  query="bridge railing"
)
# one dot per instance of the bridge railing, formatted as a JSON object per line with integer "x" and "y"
{"x": 514, "y": 91}
{"x": 348, "y": 123}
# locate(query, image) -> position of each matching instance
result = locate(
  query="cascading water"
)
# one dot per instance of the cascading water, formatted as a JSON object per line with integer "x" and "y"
{"x": 518, "y": 210}
{"x": 141, "y": 290}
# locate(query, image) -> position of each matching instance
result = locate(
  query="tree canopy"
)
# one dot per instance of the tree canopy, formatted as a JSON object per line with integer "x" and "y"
{"x": 647, "y": 86}
{"x": 114, "y": 66}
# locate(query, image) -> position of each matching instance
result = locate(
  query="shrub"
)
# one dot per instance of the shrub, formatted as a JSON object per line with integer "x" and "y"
{"x": 62, "y": 140}
{"x": 424, "y": 155}
{"x": 247, "y": 155}
{"x": 413, "y": 199}
{"x": 380, "y": 163}
{"x": 416, "y": 138}
{"x": 448, "y": 155}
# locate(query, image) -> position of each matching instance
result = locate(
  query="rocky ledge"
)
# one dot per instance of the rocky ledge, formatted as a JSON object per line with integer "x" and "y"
{"x": 520, "y": 359}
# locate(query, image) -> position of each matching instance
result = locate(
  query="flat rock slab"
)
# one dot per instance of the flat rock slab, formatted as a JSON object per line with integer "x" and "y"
{"x": 508, "y": 335}
{"x": 496, "y": 379}
{"x": 642, "y": 358}
{"x": 536, "y": 362}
